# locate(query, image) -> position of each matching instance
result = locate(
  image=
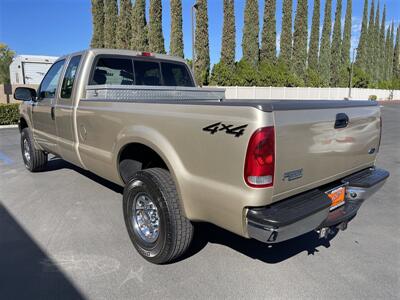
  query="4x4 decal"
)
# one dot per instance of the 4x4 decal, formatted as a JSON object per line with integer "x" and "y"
{"x": 229, "y": 129}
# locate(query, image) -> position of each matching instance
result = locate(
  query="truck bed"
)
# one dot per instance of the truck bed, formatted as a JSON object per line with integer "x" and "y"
{"x": 205, "y": 96}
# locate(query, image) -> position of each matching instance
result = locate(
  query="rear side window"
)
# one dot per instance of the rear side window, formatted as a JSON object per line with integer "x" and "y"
{"x": 176, "y": 75}
{"x": 49, "y": 83}
{"x": 147, "y": 73}
{"x": 69, "y": 78}
{"x": 113, "y": 71}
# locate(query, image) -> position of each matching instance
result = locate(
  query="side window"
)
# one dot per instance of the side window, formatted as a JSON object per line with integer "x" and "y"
{"x": 113, "y": 71}
{"x": 69, "y": 78}
{"x": 147, "y": 73}
{"x": 176, "y": 74}
{"x": 49, "y": 83}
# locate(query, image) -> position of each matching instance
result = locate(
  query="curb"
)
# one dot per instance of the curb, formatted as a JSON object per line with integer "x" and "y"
{"x": 8, "y": 126}
{"x": 389, "y": 102}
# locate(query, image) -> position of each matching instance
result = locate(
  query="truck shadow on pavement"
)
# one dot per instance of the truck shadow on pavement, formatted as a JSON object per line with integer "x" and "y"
{"x": 269, "y": 253}
{"x": 207, "y": 233}
{"x": 56, "y": 163}
{"x": 23, "y": 271}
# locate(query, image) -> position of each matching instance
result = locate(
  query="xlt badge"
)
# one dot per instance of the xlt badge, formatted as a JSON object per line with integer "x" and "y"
{"x": 293, "y": 175}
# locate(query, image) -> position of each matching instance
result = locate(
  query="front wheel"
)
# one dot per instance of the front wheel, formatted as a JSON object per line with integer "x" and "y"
{"x": 153, "y": 216}
{"x": 35, "y": 160}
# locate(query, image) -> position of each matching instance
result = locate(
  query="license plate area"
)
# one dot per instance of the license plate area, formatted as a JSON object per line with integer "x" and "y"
{"x": 337, "y": 196}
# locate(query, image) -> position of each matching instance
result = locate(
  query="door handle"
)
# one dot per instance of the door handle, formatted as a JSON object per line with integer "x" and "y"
{"x": 342, "y": 120}
{"x": 52, "y": 113}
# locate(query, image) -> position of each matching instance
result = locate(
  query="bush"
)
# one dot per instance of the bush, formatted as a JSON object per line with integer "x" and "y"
{"x": 245, "y": 74}
{"x": 9, "y": 114}
{"x": 222, "y": 75}
{"x": 313, "y": 79}
{"x": 373, "y": 98}
{"x": 393, "y": 84}
{"x": 277, "y": 75}
{"x": 242, "y": 74}
{"x": 361, "y": 79}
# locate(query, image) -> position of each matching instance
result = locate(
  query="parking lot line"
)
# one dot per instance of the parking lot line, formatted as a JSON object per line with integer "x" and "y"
{"x": 5, "y": 159}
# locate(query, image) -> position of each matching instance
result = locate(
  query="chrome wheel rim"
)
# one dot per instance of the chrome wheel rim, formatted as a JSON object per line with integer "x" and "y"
{"x": 145, "y": 218}
{"x": 27, "y": 151}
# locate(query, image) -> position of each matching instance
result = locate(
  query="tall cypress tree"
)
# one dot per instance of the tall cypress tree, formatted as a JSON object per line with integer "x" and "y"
{"x": 381, "y": 57}
{"x": 314, "y": 39}
{"x": 336, "y": 46}
{"x": 134, "y": 26}
{"x": 388, "y": 56}
{"x": 396, "y": 55}
{"x": 361, "y": 60}
{"x": 110, "y": 23}
{"x": 139, "y": 40}
{"x": 124, "y": 24}
{"x": 300, "y": 37}
{"x": 268, "y": 40}
{"x": 98, "y": 24}
{"x": 376, "y": 46}
{"x": 325, "y": 48}
{"x": 250, "y": 46}
{"x": 391, "y": 58}
{"x": 155, "y": 34}
{"x": 176, "y": 39}
{"x": 202, "y": 61}
{"x": 371, "y": 39}
{"x": 346, "y": 43}
{"x": 286, "y": 45}
{"x": 228, "y": 34}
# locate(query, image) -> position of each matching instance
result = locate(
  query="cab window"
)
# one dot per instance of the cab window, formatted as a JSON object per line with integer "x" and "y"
{"x": 49, "y": 83}
{"x": 111, "y": 70}
{"x": 147, "y": 73}
{"x": 69, "y": 78}
{"x": 176, "y": 75}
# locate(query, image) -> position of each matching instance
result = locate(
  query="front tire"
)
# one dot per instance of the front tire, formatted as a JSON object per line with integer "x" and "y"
{"x": 153, "y": 216}
{"x": 35, "y": 160}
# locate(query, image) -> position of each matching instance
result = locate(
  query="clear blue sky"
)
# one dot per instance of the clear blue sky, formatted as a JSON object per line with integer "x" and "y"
{"x": 56, "y": 27}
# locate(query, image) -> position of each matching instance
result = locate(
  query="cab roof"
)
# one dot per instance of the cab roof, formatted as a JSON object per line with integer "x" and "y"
{"x": 97, "y": 51}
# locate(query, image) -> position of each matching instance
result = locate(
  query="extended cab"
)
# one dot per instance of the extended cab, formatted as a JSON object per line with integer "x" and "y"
{"x": 269, "y": 170}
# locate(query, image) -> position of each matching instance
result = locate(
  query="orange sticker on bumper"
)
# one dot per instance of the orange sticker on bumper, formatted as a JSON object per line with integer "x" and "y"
{"x": 337, "y": 196}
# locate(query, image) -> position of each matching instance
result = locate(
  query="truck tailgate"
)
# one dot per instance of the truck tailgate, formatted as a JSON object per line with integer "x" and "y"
{"x": 310, "y": 151}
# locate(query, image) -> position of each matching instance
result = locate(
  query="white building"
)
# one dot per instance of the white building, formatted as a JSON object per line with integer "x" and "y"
{"x": 30, "y": 69}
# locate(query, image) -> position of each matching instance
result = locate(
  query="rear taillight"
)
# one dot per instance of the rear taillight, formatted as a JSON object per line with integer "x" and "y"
{"x": 260, "y": 158}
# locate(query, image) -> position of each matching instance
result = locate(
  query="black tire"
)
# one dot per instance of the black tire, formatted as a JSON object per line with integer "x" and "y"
{"x": 37, "y": 159}
{"x": 175, "y": 231}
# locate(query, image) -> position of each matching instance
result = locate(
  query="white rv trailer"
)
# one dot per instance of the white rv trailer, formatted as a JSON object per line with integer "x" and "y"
{"x": 30, "y": 69}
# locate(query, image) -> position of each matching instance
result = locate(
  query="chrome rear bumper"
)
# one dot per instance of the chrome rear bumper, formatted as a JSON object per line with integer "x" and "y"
{"x": 311, "y": 210}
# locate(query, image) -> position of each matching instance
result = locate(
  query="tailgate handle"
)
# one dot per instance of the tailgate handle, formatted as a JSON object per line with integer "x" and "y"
{"x": 342, "y": 120}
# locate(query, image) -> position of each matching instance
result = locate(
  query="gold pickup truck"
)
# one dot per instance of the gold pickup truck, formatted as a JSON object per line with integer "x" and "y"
{"x": 269, "y": 170}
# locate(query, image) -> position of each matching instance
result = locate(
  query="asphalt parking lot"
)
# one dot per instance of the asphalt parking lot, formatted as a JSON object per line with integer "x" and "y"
{"x": 62, "y": 235}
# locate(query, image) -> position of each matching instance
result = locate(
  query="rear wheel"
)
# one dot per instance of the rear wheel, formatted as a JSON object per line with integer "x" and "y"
{"x": 35, "y": 160}
{"x": 153, "y": 217}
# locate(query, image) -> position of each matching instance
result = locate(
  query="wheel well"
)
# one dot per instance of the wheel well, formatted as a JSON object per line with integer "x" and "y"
{"x": 135, "y": 157}
{"x": 22, "y": 124}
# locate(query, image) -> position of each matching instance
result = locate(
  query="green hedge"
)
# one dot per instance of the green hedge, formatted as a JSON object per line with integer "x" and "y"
{"x": 9, "y": 114}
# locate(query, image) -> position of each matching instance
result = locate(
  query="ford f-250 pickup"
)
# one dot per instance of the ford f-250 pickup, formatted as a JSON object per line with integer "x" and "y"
{"x": 269, "y": 170}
